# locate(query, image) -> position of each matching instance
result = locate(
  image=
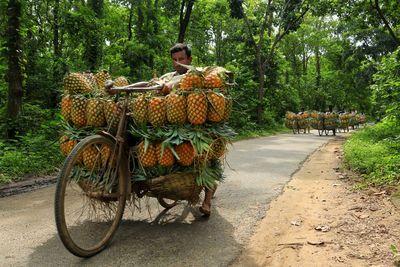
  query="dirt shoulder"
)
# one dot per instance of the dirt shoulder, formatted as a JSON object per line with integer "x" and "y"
{"x": 319, "y": 220}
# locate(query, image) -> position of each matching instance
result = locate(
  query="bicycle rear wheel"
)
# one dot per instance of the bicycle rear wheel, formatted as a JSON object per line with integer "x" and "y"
{"x": 90, "y": 196}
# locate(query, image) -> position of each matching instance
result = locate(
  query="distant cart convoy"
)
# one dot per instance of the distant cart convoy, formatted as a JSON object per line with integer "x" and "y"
{"x": 324, "y": 122}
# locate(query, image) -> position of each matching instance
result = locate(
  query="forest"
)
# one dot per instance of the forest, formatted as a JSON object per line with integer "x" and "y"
{"x": 285, "y": 55}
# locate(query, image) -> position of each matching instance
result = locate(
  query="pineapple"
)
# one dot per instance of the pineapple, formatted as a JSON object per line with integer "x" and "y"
{"x": 121, "y": 81}
{"x": 217, "y": 148}
{"x": 197, "y": 108}
{"x": 66, "y": 104}
{"x": 91, "y": 158}
{"x": 216, "y": 108}
{"x": 165, "y": 156}
{"x": 147, "y": 156}
{"x": 191, "y": 80}
{"x": 76, "y": 83}
{"x": 215, "y": 77}
{"x": 138, "y": 108}
{"x": 89, "y": 77}
{"x": 101, "y": 77}
{"x": 228, "y": 108}
{"x": 78, "y": 110}
{"x": 176, "y": 108}
{"x": 213, "y": 81}
{"x": 157, "y": 110}
{"x": 186, "y": 153}
{"x": 106, "y": 156}
{"x": 66, "y": 145}
{"x": 112, "y": 112}
{"x": 95, "y": 113}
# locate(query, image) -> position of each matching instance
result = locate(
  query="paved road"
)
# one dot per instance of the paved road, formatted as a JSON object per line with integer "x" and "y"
{"x": 180, "y": 237}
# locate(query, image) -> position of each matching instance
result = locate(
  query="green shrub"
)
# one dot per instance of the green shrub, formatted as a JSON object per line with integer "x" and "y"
{"x": 375, "y": 152}
{"x": 35, "y": 150}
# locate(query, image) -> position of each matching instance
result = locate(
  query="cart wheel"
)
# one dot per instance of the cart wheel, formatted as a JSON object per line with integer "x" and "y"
{"x": 90, "y": 196}
{"x": 167, "y": 203}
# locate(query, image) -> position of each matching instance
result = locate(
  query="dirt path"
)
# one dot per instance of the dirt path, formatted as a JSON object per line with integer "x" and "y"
{"x": 320, "y": 221}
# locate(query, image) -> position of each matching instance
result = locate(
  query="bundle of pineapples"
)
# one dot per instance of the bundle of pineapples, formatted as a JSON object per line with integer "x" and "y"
{"x": 316, "y": 120}
{"x": 344, "y": 119}
{"x": 186, "y": 130}
{"x": 85, "y": 106}
{"x": 290, "y": 119}
{"x": 303, "y": 120}
{"x": 331, "y": 120}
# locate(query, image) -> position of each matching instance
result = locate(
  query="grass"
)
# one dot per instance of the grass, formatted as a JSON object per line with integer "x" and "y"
{"x": 374, "y": 152}
{"x": 31, "y": 156}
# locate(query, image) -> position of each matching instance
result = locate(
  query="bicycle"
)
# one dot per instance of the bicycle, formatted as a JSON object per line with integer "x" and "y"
{"x": 90, "y": 201}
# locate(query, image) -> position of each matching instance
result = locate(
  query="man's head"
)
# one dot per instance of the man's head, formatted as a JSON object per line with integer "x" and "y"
{"x": 181, "y": 53}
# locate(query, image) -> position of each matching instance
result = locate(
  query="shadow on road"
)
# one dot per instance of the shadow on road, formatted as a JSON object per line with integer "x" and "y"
{"x": 169, "y": 240}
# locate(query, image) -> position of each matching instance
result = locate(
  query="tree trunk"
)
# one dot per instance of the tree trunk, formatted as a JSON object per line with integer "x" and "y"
{"x": 57, "y": 68}
{"x": 317, "y": 67}
{"x": 261, "y": 89}
{"x": 14, "y": 72}
{"x": 386, "y": 22}
{"x": 184, "y": 18}
{"x": 130, "y": 22}
{"x": 94, "y": 38}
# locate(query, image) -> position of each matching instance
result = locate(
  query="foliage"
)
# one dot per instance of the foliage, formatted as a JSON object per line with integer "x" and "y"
{"x": 33, "y": 154}
{"x": 340, "y": 54}
{"x": 387, "y": 86}
{"x": 375, "y": 152}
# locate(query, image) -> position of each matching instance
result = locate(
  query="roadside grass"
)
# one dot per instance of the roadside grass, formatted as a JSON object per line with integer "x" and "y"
{"x": 374, "y": 152}
{"x": 31, "y": 156}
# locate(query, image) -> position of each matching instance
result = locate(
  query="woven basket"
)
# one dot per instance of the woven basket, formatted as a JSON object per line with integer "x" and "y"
{"x": 175, "y": 186}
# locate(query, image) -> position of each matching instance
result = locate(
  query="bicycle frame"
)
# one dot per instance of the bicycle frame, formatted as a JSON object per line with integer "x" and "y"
{"x": 120, "y": 137}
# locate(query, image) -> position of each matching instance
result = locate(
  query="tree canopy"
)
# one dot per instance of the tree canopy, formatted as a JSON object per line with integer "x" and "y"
{"x": 286, "y": 55}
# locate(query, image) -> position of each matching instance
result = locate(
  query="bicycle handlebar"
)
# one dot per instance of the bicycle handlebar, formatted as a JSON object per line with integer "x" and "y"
{"x": 139, "y": 87}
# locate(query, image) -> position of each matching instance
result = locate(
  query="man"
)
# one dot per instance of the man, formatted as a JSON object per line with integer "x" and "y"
{"x": 181, "y": 53}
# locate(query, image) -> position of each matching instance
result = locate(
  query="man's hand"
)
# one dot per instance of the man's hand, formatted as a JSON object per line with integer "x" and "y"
{"x": 166, "y": 89}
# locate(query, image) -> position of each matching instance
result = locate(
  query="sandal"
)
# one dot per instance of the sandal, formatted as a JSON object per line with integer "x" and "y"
{"x": 206, "y": 213}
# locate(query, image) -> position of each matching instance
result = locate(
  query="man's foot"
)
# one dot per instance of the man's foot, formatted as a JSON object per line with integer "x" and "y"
{"x": 205, "y": 209}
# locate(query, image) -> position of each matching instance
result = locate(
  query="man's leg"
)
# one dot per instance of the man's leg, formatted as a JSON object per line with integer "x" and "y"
{"x": 206, "y": 206}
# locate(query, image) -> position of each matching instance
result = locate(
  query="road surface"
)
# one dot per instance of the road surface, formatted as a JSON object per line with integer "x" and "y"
{"x": 257, "y": 172}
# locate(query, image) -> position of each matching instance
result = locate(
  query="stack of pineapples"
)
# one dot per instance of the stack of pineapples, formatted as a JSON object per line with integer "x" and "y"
{"x": 290, "y": 119}
{"x": 303, "y": 120}
{"x": 185, "y": 130}
{"x": 86, "y": 106}
{"x": 316, "y": 120}
{"x": 331, "y": 120}
{"x": 344, "y": 119}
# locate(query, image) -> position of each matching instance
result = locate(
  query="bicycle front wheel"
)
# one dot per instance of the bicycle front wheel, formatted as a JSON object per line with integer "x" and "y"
{"x": 90, "y": 196}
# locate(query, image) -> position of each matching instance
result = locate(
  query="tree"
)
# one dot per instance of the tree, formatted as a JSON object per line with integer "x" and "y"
{"x": 278, "y": 19}
{"x": 95, "y": 39}
{"x": 14, "y": 74}
{"x": 184, "y": 18}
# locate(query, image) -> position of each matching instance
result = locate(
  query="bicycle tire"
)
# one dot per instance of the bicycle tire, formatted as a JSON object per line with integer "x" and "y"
{"x": 85, "y": 237}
